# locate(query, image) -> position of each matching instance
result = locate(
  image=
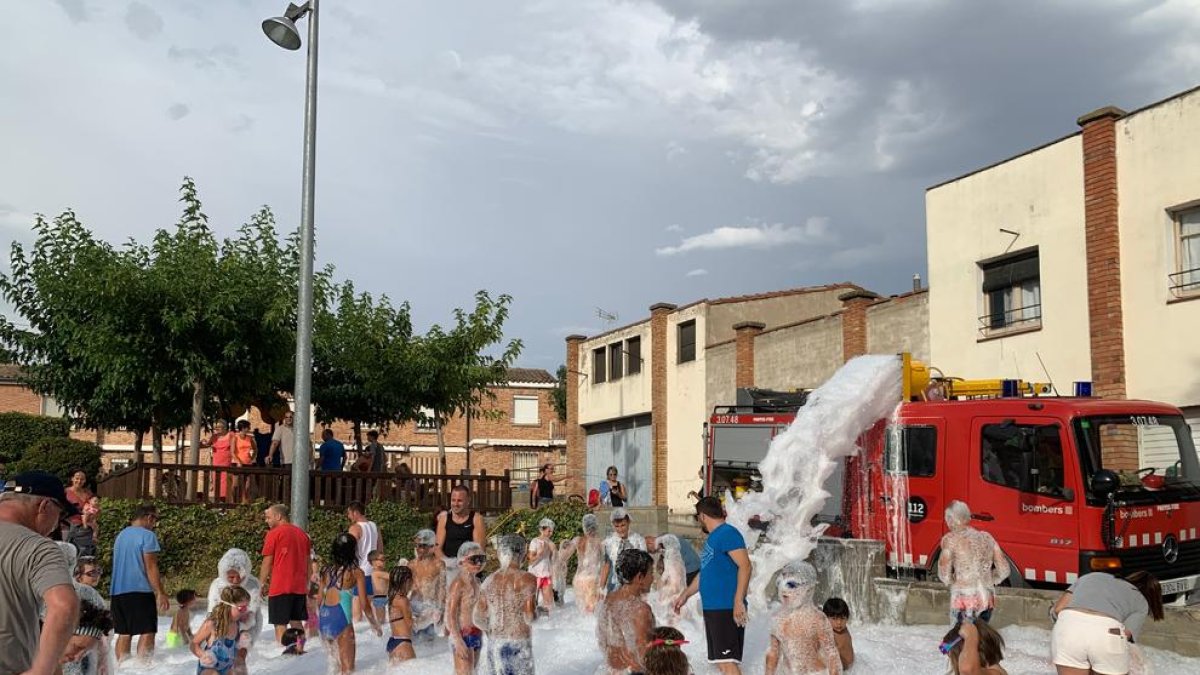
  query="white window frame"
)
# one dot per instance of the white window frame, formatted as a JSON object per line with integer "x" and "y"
{"x": 1186, "y": 282}
{"x": 516, "y": 418}
{"x": 427, "y": 423}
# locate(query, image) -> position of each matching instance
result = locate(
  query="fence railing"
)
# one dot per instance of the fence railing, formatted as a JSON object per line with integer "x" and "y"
{"x": 994, "y": 323}
{"x": 229, "y": 486}
{"x": 1184, "y": 283}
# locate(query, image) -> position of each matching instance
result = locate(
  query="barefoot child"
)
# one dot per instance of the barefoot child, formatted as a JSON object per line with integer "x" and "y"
{"x": 623, "y": 619}
{"x": 589, "y": 552}
{"x": 333, "y": 616}
{"x": 181, "y": 626}
{"x": 839, "y": 615}
{"x": 465, "y": 637}
{"x": 399, "y": 645}
{"x": 801, "y": 638}
{"x": 429, "y": 585}
{"x": 505, "y": 610}
{"x": 379, "y": 583}
{"x": 216, "y": 643}
{"x": 541, "y": 562}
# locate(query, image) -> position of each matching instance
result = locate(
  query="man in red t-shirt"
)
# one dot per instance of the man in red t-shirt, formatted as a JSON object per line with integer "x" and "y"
{"x": 286, "y": 553}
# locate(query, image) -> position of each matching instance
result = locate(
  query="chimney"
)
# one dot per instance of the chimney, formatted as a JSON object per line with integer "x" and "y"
{"x": 854, "y": 321}
{"x": 576, "y": 443}
{"x": 916, "y": 283}
{"x": 746, "y": 332}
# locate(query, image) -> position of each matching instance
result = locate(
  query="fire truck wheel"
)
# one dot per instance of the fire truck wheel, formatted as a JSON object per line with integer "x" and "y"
{"x": 1015, "y": 578}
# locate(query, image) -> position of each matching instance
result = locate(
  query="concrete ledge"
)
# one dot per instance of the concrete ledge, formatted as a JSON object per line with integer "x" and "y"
{"x": 911, "y": 602}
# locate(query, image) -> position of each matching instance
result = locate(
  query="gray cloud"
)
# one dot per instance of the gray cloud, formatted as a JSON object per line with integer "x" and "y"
{"x": 178, "y": 111}
{"x": 77, "y": 10}
{"x": 7, "y": 209}
{"x": 223, "y": 55}
{"x": 143, "y": 21}
{"x": 242, "y": 124}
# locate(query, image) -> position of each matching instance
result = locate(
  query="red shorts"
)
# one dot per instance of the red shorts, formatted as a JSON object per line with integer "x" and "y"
{"x": 543, "y": 582}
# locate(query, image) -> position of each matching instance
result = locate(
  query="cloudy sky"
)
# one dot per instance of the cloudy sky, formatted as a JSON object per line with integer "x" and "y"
{"x": 577, "y": 154}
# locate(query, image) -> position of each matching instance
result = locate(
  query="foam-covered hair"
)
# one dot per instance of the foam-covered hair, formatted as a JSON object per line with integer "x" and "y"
{"x": 427, "y": 537}
{"x": 510, "y": 548}
{"x": 957, "y": 514}
{"x": 468, "y": 549}
{"x": 668, "y": 542}
{"x": 546, "y": 522}
{"x": 590, "y": 524}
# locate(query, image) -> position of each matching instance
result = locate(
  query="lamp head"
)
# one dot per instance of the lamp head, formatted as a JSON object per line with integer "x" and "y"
{"x": 282, "y": 31}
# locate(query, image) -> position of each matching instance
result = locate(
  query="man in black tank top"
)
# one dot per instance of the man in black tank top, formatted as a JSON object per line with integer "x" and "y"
{"x": 459, "y": 525}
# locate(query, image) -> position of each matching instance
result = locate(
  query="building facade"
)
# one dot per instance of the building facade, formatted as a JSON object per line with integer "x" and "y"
{"x": 518, "y": 431}
{"x": 638, "y": 397}
{"x": 1078, "y": 260}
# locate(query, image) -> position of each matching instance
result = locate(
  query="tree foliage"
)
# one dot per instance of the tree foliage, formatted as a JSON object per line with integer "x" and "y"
{"x": 121, "y": 337}
{"x": 61, "y": 457}
{"x": 363, "y": 360}
{"x": 18, "y": 431}
{"x": 558, "y": 397}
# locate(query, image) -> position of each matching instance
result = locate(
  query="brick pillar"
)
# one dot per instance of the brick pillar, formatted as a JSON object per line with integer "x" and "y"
{"x": 1103, "y": 250}
{"x": 576, "y": 441}
{"x": 854, "y": 322}
{"x": 746, "y": 332}
{"x": 1102, "y": 247}
{"x": 658, "y": 395}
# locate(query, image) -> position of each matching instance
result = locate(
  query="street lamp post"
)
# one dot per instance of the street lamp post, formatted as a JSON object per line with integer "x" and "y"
{"x": 282, "y": 31}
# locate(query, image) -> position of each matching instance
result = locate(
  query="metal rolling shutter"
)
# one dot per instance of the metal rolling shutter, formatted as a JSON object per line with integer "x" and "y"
{"x": 628, "y": 445}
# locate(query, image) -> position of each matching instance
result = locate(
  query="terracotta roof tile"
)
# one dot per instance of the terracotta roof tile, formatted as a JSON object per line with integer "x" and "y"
{"x": 9, "y": 372}
{"x": 534, "y": 375}
{"x": 779, "y": 294}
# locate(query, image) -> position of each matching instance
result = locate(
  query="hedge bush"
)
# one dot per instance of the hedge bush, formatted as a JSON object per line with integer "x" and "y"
{"x": 194, "y": 537}
{"x": 18, "y": 431}
{"x": 60, "y": 456}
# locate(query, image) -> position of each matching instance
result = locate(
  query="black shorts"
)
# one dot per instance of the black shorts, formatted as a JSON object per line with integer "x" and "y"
{"x": 285, "y": 608}
{"x": 134, "y": 614}
{"x": 725, "y": 638}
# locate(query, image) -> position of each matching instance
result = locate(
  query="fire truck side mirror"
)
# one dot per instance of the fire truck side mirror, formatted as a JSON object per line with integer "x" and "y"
{"x": 1104, "y": 483}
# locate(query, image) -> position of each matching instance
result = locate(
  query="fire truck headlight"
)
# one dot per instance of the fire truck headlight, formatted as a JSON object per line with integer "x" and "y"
{"x": 1105, "y": 564}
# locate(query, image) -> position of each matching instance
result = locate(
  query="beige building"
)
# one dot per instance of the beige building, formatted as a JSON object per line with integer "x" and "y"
{"x": 638, "y": 397}
{"x": 1082, "y": 255}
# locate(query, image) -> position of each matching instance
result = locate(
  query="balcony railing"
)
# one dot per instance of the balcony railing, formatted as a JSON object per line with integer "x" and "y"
{"x": 1185, "y": 283}
{"x": 1009, "y": 321}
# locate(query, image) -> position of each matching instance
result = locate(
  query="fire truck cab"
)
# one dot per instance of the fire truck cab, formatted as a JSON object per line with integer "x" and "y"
{"x": 1039, "y": 472}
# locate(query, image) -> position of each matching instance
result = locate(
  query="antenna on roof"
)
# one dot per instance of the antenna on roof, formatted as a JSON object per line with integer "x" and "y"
{"x": 608, "y": 318}
{"x": 1047, "y": 372}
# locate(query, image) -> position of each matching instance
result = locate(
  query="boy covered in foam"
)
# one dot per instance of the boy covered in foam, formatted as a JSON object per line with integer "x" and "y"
{"x": 971, "y": 564}
{"x": 624, "y": 621}
{"x": 589, "y": 552}
{"x": 505, "y": 610}
{"x": 801, "y": 641}
{"x": 466, "y": 639}
{"x": 429, "y": 585}
{"x": 674, "y": 576}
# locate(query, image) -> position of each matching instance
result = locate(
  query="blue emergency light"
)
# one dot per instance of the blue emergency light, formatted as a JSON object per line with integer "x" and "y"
{"x": 1010, "y": 388}
{"x": 1083, "y": 389}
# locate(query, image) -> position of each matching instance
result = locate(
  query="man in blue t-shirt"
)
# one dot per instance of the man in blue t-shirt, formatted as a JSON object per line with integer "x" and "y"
{"x": 332, "y": 452}
{"x": 723, "y": 582}
{"x": 137, "y": 591}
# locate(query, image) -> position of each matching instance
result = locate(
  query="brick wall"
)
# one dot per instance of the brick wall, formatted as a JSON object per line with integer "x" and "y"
{"x": 658, "y": 396}
{"x": 576, "y": 443}
{"x": 1102, "y": 242}
{"x": 854, "y": 322}
{"x": 16, "y": 398}
{"x": 1103, "y": 250}
{"x": 746, "y": 332}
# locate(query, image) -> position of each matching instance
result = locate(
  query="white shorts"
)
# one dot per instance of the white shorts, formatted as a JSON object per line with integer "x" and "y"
{"x": 1082, "y": 640}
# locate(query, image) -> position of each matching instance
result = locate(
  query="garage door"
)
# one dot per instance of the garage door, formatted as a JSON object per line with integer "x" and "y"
{"x": 628, "y": 445}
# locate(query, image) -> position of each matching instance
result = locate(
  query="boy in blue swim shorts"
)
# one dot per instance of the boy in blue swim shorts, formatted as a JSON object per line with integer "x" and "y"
{"x": 509, "y": 648}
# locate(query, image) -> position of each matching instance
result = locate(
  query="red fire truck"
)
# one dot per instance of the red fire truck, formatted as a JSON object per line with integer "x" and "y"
{"x": 1031, "y": 466}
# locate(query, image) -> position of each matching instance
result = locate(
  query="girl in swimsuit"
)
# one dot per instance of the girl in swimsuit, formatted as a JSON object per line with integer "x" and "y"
{"x": 216, "y": 643}
{"x": 399, "y": 645}
{"x": 338, "y": 578}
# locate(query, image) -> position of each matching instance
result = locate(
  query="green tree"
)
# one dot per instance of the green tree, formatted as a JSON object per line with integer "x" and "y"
{"x": 558, "y": 397}
{"x": 85, "y": 333}
{"x": 455, "y": 372}
{"x": 362, "y": 361}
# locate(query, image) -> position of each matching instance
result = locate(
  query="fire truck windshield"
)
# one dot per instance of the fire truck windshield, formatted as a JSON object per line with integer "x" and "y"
{"x": 1159, "y": 442}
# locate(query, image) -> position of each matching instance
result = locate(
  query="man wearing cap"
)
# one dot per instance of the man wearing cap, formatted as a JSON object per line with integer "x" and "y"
{"x": 621, "y": 539}
{"x": 35, "y": 573}
{"x": 137, "y": 591}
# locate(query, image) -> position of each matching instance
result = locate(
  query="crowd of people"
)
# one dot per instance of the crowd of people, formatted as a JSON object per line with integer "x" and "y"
{"x": 638, "y": 588}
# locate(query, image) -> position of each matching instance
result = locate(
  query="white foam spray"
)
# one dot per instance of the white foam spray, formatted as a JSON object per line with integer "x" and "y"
{"x": 801, "y": 459}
